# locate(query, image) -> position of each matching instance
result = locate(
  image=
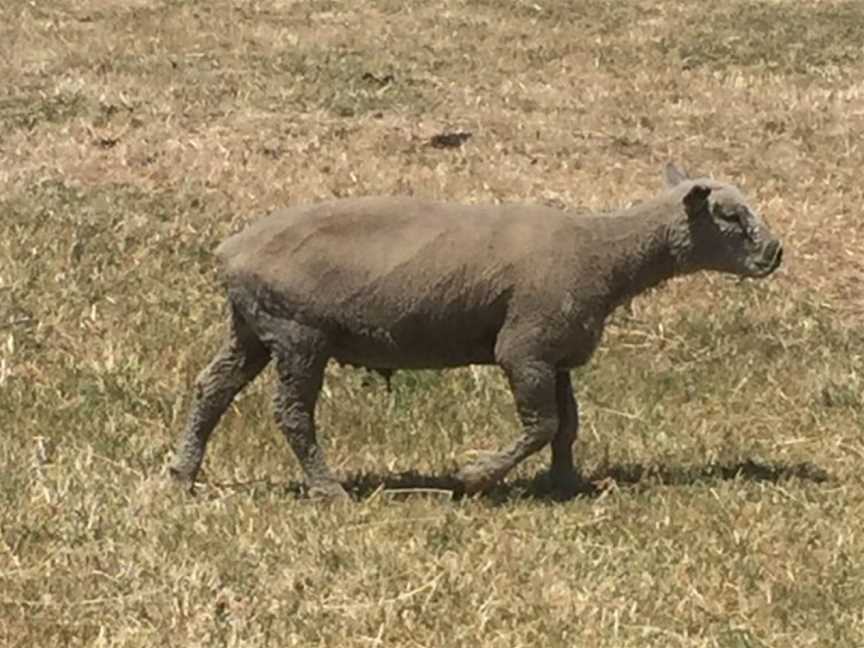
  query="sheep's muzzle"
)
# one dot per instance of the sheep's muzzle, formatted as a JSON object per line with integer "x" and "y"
{"x": 769, "y": 261}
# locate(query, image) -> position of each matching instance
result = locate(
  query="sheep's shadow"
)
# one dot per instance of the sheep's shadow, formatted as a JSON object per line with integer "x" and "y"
{"x": 411, "y": 484}
{"x": 601, "y": 481}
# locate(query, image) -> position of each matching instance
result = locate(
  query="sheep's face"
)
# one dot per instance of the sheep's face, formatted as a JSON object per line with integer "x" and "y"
{"x": 724, "y": 233}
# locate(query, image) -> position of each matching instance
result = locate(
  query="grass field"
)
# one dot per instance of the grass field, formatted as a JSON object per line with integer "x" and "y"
{"x": 721, "y": 420}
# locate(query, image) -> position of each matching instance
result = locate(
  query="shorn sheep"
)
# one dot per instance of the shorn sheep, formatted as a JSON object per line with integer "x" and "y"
{"x": 400, "y": 283}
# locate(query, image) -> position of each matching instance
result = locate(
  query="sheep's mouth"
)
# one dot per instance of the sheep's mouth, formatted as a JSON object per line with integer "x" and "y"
{"x": 770, "y": 261}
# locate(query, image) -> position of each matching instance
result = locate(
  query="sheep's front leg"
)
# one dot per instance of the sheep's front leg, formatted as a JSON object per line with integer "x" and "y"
{"x": 301, "y": 375}
{"x": 562, "y": 473}
{"x": 533, "y": 384}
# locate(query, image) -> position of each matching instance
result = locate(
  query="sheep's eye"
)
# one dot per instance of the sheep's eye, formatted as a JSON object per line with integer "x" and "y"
{"x": 738, "y": 217}
{"x": 746, "y": 224}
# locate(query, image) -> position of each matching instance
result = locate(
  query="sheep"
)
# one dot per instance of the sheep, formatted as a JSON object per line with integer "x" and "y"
{"x": 400, "y": 283}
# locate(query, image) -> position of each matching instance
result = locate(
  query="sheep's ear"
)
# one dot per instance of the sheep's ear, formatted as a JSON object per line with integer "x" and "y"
{"x": 674, "y": 175}
{"x": 696, "y": 201}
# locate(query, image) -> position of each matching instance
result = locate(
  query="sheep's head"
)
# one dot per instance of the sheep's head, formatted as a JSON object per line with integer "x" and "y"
{"x": 721, "y": 232}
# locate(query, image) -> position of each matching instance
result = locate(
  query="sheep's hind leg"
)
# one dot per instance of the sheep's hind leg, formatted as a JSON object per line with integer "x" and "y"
{"x": 238, "y": 362}
{"x": 562, "y": 475}
{"x": 301, "y": 374}
{"x": 533, "y": 384}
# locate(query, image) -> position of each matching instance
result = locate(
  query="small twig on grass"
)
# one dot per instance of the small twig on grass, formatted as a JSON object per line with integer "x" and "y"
{"x": 118, "y": 465}
{"x": 627, "y": 415}
{"x": 375, "y": 493}
{"x": 790, "y": 442}
{"x": 396, "y": 599}
{"x": 432, "y": 491}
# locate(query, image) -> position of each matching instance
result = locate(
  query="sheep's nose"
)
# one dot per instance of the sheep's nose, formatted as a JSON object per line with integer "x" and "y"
{"x": 774, "y": 253}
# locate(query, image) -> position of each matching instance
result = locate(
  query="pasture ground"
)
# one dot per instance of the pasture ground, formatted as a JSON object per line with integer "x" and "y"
{"x": 722, "y": 421}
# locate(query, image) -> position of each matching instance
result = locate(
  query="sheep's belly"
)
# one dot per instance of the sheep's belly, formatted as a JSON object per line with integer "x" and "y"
{"x": 414, "y": 347}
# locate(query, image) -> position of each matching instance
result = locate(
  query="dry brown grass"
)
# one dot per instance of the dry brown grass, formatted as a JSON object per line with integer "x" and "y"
{"x": 722, "y": 424}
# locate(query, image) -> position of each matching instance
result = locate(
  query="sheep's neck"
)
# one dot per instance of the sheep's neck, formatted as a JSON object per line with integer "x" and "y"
{"x": 643, "y": 258}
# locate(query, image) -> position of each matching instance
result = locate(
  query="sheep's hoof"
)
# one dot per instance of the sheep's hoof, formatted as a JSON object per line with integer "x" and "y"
{"x": 327, "y": 490}
{"x": 181, "y": 478}
{"x": 564, "y": 484}
{"x": 479, "y": 475}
